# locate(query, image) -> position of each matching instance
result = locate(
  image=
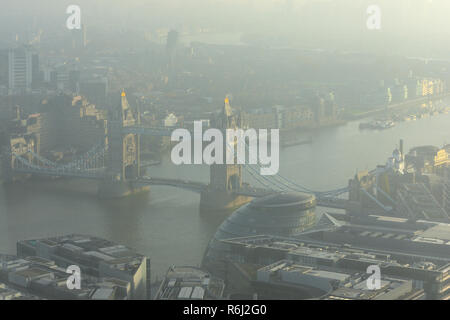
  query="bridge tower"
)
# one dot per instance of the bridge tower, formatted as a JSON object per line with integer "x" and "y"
{"x": 225, "y": 179}
{"x": 123, "y": 152}
{"x": 229, "y": 176}
{"x": 123, "y": 149}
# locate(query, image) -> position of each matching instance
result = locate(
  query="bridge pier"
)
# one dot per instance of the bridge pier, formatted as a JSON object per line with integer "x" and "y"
{"x": 221, "y": 200}
{"x": 108, "y": 189}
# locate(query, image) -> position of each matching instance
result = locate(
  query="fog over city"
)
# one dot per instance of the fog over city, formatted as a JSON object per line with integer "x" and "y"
{"x": 225, "y": 150}
{"x": 407, "y": 26}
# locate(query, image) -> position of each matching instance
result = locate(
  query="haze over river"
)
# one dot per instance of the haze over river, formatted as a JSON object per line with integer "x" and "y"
{"x": 165, "y": 224}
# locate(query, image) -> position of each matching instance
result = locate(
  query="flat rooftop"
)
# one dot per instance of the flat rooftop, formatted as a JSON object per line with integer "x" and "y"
{"x": 320, "y": 250}
{"x": 78, "y": 247}
{"x": 189, "y": 283}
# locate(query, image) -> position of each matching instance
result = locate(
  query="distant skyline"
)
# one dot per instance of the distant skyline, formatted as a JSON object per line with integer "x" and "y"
{"x": 433, "y": 13}
{"x": 332, "y": 23}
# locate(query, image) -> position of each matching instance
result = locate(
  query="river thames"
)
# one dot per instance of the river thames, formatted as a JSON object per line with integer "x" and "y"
{"x": 165, "y": 224}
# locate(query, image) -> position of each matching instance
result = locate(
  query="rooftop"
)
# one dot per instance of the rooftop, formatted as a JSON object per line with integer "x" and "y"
{"x": 283, "y": 199}
{"x": 310, "y": 249}
{"x": 36, "y": 277}
{"x": 88, "y": 249}
{"x": 189, "y": 283}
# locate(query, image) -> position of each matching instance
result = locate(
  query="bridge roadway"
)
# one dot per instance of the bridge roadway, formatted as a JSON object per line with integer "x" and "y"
{"x": 194, "y": 186}
{"x": 177, "y": 183}
{"x": 95, "y": 174}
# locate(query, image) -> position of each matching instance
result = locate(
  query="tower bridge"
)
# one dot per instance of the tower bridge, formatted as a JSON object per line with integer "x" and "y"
{"x": 115, "y": 163}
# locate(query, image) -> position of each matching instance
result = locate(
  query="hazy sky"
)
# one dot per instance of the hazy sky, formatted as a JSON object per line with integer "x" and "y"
{"x": 313, "y": 18}
{"x": 430, "y": 12}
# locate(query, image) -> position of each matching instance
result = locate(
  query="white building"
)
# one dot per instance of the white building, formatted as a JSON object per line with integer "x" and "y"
{"x": 171, "y": 120}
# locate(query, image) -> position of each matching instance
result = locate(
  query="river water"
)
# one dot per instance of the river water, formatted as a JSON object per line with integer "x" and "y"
{"x": 165, "y": 224}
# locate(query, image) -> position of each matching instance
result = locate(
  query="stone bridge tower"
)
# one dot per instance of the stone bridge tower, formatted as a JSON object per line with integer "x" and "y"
{"x": 123, "y": 164}
{"x": 123, "y": 149}
{"x": 226, "y": 176}
{"x": 225, "y": 179}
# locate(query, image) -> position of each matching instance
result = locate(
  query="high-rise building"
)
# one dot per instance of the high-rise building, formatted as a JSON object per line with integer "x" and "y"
{"x": 23, "y": 69}
{"x": 171, "y": 46}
